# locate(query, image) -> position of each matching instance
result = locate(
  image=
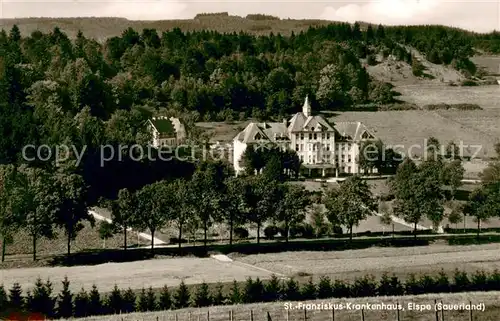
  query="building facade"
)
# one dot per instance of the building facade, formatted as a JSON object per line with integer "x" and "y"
{"x": 330, "y": 149}
{"x": 167, "y": 131}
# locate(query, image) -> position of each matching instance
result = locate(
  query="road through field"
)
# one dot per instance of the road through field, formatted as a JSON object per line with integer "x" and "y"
{"x": 401, "y": 261}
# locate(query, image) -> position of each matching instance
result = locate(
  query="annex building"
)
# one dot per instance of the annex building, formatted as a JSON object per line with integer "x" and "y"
{"x": 323, "y": 147}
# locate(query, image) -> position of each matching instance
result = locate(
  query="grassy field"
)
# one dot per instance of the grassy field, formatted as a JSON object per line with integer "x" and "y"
{"x": 277, "y": 310}
{"x": 102, "y": 28}
{"x": 401, "y": 261}
{"x": 154, "y": 273}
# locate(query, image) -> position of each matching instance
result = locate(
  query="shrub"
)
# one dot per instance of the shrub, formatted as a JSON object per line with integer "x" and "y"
{"x": 273, "y": 290}
{"x": 181, "y": 296}
{"x": 65, "y": 301}
{"x": 324, "y": 287}
{"x": 370, "y": 60}
{"x": 270, "y": 232}
{"x": 308, "y": 291}
{"x": 240, "y": 233}
{"x": 165, "y": 301}
{"x": 202, "y": 296}
{"x": 129, "y": 300}
{"x": 82, "y": 304}
{"x": 114, "y": 301}
{"x": 397, "y": 287}
{"x": 384, "y": 286}
{"x": 235, "y": 296}
{"x": 469, "y": 83}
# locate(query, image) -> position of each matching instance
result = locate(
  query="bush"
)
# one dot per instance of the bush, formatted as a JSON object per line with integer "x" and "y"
{"x": 469, "y": 83}
{"x": 240, "y": 233}
{"x": 479, "y": 281}
{"x": 270, "y": 232}
{"x": 442, "y": 283}
{"x": 494, "y": 281}
{"x": 412, "y": 286}
{"x": 461, "y": 281}
{"x": 254, "y": 290}
{"x": 308, "y": 291}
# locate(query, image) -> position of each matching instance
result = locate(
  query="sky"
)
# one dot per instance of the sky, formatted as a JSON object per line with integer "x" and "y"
{"x": 480, "y": 16}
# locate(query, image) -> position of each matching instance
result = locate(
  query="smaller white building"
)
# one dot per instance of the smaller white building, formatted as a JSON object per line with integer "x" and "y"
{"x": 167, "y": 131}
{"x": 320, "y": 145}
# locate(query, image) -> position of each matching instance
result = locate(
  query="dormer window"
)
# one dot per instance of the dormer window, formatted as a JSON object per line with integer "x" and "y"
{"x": 312, "y": 129}
{"x": 258, "y": 136}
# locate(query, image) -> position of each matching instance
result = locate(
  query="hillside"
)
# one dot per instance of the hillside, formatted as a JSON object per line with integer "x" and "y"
{"x": 102, "y": 28}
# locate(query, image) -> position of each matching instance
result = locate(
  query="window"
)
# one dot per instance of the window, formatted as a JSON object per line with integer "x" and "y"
{"x": 310, "y": 147}
{"x": 327, "y": 135}
{"x": 315, "y": 136}
{"x": 323, "y": 136}
{"x": 314, "y": 147}
{"x": 310, "y": 136}
{"x": 302, "y": 136}
{"x": 328, "y": 147}
{"x": 310, "y": 159}
{"x": 349, "y": 159}
{"x": 348, "y": 169}
{"x": 296, "y": 147}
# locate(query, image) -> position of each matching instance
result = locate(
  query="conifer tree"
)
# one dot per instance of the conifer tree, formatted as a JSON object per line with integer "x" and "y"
{"x": 272, "y": 289}
{"x": 41, "y": 300}
{"x": 3, "y": 298}
{"x": 129, "y": 299}
{"x": 235, "y": 296}
{"x": 202, "y": 296}
{"x": 142, "y": 301}
{"x": 16, "y": 300}
{"x": 96, "y": 306}
{"x": 308, "y": 291}
{"x": 165, "y": 302}
{"x": 82, "y": 304}
{"x": 292, "y": 291}
{"x": 65, "y": 301}
{"x": 151, "y": 300}
{"x": 325, "y": 288}
{"x": 218, "y": 298}
{"x": 181, "y": 296}
{"x": 114, "y": 302}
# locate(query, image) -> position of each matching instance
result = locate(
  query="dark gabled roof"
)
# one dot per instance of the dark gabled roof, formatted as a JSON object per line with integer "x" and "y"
{"x": 163, "y": 126}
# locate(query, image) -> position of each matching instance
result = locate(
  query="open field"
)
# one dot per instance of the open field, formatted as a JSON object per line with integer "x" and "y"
{"x": 154, "y": 273}
{"x": 490, "y": 63}
{"x": 102, "y": 28}
{"x": 401, "y": 261}
{"x": 278, "y": 313}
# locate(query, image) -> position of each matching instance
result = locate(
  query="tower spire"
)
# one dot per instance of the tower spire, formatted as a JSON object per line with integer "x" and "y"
{"x": 306, "y": 109}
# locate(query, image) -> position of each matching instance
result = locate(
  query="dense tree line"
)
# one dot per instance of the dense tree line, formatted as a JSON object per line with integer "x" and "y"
{"x": 87, "y": 303}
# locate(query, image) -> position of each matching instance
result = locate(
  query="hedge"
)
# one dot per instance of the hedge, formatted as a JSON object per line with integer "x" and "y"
{"x": 66, "y": 304}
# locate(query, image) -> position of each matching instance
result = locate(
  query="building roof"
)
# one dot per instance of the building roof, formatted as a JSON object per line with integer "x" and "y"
{"x": 353, "y": 131}
{"x": 167, "y": 126}
{"x": 255, "y": 132}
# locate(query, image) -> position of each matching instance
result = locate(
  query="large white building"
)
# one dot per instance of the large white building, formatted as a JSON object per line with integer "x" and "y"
{"x": 331, "y": 149}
